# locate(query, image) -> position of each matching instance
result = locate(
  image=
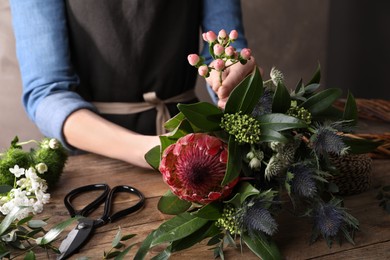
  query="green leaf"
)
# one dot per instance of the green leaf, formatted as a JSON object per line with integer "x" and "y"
{"x": 24, "y": 220}
{"x": 29, "y": 256}
{"x": 127, "y": 237}
{"x": 152, "y": 157}
{"x": 9, "y": 219}
{"x": 169, "y": 203}
{"x": 282, "y": 100}
{"x": 211, "y": 211}
{"x": 117, "y": 238}
{"x": 174, "y": 122}
{"x": 322, "y": 100}
{"x": 179, "y": 227}
{"x": 234, "y": 162}
{"x": 245, "y": 190}
{"x": 316, "y": 77}
{"x": 203, "y": 115}
{"x": 4, "y": 188}
{"x": 164, "y": 255}
{"x": 350, "y": 109}
{"x": 280, "y": 122}
{"x": 36, "y": 223}
{"x": 183, "y": 129}
{"x": 112, "y": 254}
{"x": 263, "y": 248}
{"x": 309, "y": 89}
{"x": 270, "y": 135}
{"x": 122, "y": 254}
{"x": 53, "y": 233}
{"x": 360, "y": 146}
{"x": 246, "y": 94}
{"x": 146, "y": 244}
{"x": 165, "y": 141}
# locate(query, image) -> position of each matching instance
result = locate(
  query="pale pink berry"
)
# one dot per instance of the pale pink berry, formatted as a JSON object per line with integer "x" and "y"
{"x": 233, "y": 35}
{"x": 219, "y": 64}
{"x": 203, "y": 70}
{"x": 246, "y": 53}
{"x": 222, "y": 35}
{"x": 229, "y": 51}
{"x": 204, "y": 36}
{"x": 211, "y": 36}
{"x": 218, "y": 49}
{"x": 193, "y": 59}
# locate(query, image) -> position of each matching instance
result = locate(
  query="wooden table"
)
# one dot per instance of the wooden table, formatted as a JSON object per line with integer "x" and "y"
{"x": 372, "y": 242}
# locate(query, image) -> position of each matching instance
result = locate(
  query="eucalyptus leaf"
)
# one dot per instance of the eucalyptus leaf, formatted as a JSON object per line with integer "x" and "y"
{"x": 234, "y": 162}
{"x": 36, "y": 223}
{"x": 54, "y": 232}
{"x": 203, "y": 115}
{"x": 246, "y": 94}
{"x": 169, "y": 203}
{"x": 179, "y": 227}
{"x": 282, "y": 100}
{"x": 322, "y": 100}
{"x": 152, "y": 157}
{"x": 261, "y": 246}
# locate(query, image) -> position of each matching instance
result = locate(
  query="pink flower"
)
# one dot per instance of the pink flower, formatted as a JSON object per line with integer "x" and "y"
{"x": 211, "y": 36}
{"x": 194, "y": 168}
{"x": 229, "y": 51}
{"x": 222, "y": 34}
{"x": 233, "y": 35}
{"x": 203, "y": 70}
{"x": 218, "y": 49}
{"x": 219, "y": 64}
{"x": 193, "y": 59}
{"x": 246, "y": 53}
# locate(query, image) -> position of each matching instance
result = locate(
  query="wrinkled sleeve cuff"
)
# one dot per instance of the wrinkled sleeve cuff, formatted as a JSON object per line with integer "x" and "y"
{"x": 54, "y": 109}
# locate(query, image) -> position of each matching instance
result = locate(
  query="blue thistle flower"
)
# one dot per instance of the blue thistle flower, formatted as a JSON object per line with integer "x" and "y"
{"x": 264, "y": 106}
{"x": 326, "y": 140}
{"x": 303, "y": 183}
{"x": 328, "y": 219}
{"x": 256, "y": 218}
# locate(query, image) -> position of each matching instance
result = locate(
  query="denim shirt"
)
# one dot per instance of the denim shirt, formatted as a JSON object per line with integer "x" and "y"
{"x": 48, "y": 77}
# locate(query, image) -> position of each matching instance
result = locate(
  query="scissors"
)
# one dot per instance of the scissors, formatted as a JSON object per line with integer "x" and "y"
{"x": 83, "y": 230}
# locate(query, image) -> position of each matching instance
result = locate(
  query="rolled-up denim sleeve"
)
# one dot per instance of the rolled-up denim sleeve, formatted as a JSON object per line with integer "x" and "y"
{"x": 222, "y": 14}
{"x": 42, "y": 48}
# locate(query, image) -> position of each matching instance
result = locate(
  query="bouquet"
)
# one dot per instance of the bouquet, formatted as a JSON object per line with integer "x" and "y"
{"x": 230, "y": 171}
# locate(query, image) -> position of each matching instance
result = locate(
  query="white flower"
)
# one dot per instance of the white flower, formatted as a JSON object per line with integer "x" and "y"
{"x": 276, "y": 76}
{"x": 17, "y": 171}
{"x": 41, "y": 167}
{"x": 54, "y": 144}
{"x": 255, "y": 163}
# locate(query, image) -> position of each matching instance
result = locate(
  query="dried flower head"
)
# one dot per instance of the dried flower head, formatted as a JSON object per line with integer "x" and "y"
{"x": 257, "y": 218}
{"x": 303, "y": 182}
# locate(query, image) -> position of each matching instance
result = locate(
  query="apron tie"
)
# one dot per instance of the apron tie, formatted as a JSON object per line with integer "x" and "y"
{"x": 151, "y": 101}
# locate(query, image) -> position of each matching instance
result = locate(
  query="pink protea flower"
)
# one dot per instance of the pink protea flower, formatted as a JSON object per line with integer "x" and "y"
{"x": 194, "y": 168}
{"x": 193, "y": 59}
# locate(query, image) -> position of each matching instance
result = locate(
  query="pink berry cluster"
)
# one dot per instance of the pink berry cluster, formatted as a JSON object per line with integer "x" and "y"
{"x": 221, "y": 51}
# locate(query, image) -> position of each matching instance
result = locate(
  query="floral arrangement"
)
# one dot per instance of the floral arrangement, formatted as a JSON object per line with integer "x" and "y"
{"x": 25, "y": 179}
{"x": 231, "y": 171}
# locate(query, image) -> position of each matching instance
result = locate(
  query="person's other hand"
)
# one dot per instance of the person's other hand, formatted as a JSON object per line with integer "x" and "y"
{"x": 231, "y": 76}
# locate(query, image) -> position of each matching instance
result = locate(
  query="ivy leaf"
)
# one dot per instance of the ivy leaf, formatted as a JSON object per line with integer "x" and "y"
{"x": 234, "y": 162}
{"x": 261, "y": 246}
{"x": 169, "y": 203}
{"x": 322, "y": 100}
{"x": 179, "y": 227}
{"x": 203, "y": 115}
{"x": 282, "y": 100}
{"x": 246, "y": 94}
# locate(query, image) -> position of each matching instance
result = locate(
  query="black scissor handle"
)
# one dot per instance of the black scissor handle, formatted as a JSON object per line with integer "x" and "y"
{"x": 109, "y": 201}
{"x": 91, "y": 206}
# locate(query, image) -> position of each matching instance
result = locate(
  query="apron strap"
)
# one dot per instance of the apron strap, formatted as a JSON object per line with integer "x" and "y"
{"x": 151, "y": 101}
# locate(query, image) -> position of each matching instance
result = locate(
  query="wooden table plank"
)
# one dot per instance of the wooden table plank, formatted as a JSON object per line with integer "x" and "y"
{"x": 372, "y": 242}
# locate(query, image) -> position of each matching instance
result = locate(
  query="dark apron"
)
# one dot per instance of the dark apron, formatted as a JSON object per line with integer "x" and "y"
{"x": 123, "y": 49}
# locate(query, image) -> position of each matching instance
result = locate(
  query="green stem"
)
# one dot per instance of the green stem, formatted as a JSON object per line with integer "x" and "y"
{"x": 27, "y": 142}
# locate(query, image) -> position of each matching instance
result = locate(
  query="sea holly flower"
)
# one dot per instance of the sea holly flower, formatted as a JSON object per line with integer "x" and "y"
{"x": 194, "y": 168}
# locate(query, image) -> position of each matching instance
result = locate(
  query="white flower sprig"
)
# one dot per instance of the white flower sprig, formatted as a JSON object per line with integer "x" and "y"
{"x": 29, "y": 191}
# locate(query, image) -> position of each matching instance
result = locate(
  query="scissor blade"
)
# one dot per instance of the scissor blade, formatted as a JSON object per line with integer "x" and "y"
{"x": 76, "y": 238}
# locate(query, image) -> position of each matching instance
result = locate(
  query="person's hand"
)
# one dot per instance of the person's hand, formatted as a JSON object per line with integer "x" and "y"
{"x": 231, "y": 76}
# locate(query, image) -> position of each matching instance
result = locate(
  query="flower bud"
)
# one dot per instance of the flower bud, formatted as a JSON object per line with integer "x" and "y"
{"x": 54, "y": 144}
{"x": 255, "y": 163}
{"x": 222, "y": 34}
{"x": 193, "y": 59}
{"x": 219, "y": 65}
{"x": 41, "y": 168}
{"x": 204, "y": 36}
{"x": 229, "y": 51}
{"x": 233, "y": 35}
{"x": 245, "y": 53}
{"x": 203, "y": 70}
{"x": 218, "y": 49}
{"x": 211, "y": 36}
